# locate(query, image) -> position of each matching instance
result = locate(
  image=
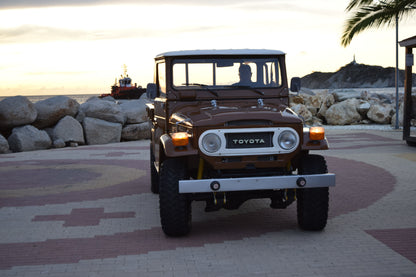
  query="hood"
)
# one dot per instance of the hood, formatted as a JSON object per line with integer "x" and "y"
{"x": 217, "y": 113}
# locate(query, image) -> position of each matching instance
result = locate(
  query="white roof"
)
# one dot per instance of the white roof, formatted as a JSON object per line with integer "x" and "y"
{"x": 221, "y": 52}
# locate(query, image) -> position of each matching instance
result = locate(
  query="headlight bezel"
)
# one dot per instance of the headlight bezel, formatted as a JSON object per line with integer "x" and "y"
{"x": 287, "y": 136}
{"x": 213, "y": 138}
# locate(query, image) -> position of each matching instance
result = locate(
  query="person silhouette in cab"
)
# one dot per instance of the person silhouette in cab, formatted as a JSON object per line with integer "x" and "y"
{"x": 245, "y": 74}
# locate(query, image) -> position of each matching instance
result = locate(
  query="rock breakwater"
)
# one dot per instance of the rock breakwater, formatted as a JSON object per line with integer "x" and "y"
{"x": 61, "y": 121}
{"x": 347, "y": 107}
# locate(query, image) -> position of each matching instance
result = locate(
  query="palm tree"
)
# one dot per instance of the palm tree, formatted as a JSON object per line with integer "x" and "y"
{"x": 369, "y": 13}
{"x": 375, "y": 13}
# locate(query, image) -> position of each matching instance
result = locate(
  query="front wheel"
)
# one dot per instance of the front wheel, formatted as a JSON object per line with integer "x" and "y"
{"x": 312, "y": 203}
{"x": 175, "y": 208}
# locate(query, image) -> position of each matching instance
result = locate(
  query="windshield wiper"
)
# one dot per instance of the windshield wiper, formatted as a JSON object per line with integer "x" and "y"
{"x": 251, "y": 88}
{"x": 204, "y": 87}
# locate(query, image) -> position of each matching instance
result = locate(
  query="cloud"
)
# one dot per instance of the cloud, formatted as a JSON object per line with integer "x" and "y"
{"x": 64, "y": 73}
{"x": 40, "y": 34}
{"x": 294, "y": 7}
{"x": 34, "y": 33}
{"x": 16, "y": 4}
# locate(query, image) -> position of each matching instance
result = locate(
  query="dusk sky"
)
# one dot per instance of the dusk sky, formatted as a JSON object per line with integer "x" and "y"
{"x": 79, "y": 46}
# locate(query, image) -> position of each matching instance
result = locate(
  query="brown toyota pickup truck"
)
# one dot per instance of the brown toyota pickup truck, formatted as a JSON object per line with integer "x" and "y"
{"x": 223, "y": 133}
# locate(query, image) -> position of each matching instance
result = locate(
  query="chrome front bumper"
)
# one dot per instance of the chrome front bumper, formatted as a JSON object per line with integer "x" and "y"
{"x": 257, "y": 183}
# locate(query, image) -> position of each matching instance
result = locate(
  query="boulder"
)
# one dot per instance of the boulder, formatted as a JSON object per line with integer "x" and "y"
{"x": 4, "y": 145}
{"x": 316, "y": 121}
{"x": 96, "y": 98}
{"x": 312, "y": 100}
{"x": 327, "y": 102}
{"x": 401, "y": 117}
{"x": 16, "y": 111}
{"x": 383, "y": 98}
{"x": 104, "y": 110}
{"x": 296, "y": 99}
{"x": 344, "y": 94}
{"x": 68, "y": 130}
{"x": 51, "y": 110}
{"x": 58, "y": 143}
{"x": 134, "y": 110}
{"x": 307, "y": 91}
{"x": 380, "y": 113}
{"x": 363, "y": 108}
{"x": 99, "y": 131}
{"x": 343, "y": 113}
{"x": 302, "y": 111}
{"x": 401, "y": 112}
{"x": 108, "y": 98}
{"x": 28, "y": 138}
{"x": 316, "y": 101}
{"x": 136, "y": 131}
{"x": 312, "y": 110}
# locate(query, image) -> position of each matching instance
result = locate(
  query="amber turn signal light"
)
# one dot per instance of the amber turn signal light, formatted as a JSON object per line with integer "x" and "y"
{"x": 317, "y": 133}
{"x": 180, "y": 139}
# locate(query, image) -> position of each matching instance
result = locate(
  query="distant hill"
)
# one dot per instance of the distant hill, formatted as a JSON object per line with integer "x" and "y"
{"x": 355, "y": 75}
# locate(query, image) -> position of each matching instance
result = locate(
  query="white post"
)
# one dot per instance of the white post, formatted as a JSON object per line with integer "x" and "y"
{"x": 397, "y": 72}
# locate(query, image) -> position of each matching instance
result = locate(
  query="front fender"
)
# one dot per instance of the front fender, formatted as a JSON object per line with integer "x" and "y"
{"x": 171, "y": 150}
{"x": 309, "y": 144}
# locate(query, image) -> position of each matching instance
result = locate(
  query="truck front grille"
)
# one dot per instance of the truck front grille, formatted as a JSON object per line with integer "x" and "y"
{"x": 247, "y": 141}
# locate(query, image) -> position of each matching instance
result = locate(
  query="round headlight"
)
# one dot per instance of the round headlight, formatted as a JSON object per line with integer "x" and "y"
{"x": 288, "y": 140}
{"x": 211, "y": 143}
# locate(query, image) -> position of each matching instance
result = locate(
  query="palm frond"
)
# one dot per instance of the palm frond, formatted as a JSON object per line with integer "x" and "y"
{"x": 357, "y": 3}
{"x": 376, "y": 15}
{"x": 361, "y": 3}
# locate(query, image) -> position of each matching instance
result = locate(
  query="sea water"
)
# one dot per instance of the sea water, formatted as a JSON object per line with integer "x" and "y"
{"x": 80, "y": 98}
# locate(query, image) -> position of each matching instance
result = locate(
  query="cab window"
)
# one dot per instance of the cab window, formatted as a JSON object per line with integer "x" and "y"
{"x": 161, "y": 78}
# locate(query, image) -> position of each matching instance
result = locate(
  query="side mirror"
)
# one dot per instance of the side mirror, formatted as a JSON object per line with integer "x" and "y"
{"x": 295, "y": 84}
{"x": 151, "y": 91}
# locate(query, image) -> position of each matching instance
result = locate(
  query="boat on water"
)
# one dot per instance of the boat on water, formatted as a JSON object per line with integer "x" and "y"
{"x": 124, "y": 89}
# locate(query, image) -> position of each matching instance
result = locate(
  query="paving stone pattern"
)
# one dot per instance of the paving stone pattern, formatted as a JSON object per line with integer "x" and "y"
{"x": 88, "y": 211}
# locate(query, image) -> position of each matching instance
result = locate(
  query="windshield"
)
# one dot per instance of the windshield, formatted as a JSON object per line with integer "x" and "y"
{"x": 226, "y": 73}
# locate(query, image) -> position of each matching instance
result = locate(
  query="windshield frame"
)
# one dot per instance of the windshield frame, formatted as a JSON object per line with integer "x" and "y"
{"x": 270, "y": 66}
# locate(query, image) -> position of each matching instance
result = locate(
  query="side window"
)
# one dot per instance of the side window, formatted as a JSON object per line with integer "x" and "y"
{"x": 161, "y": 77}
{"x": 271, "y": 74}
{"x": 179, "y": 74}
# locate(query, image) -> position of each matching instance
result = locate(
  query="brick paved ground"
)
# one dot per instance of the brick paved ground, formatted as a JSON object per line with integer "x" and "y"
{"x": 88, "y": 211}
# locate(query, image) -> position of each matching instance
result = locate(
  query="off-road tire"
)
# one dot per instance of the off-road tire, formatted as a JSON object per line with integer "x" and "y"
{"x": 175, "y": 208}
{"x": 154, "y": 175}
{"x": 312, "y": 203}
{"x": 411, "y": 143}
